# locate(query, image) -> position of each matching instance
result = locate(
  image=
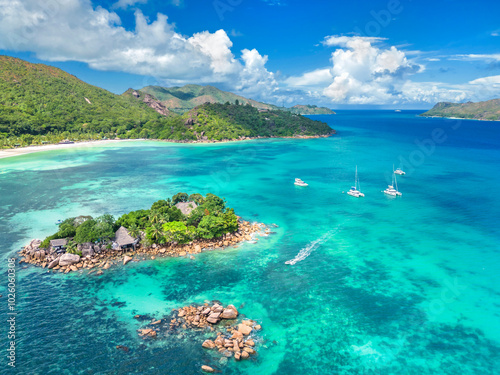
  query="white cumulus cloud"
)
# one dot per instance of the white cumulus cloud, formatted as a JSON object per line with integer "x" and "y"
{"x": 365, "y": 73}
{"x": 313, "y": 78}
{"x": 76, "y": 30}
{"x": 491, "y": 80}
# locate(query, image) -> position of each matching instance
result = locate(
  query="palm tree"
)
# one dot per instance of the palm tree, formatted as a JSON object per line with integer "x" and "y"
{"x": 71, "y": 247}
{"x": 156, "y": 232}
{"x": 134, "y": 231}
{"x": 154, "y": 216}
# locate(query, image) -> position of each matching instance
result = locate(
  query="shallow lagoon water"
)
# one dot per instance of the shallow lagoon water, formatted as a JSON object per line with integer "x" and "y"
{"x": 382, "y": 285}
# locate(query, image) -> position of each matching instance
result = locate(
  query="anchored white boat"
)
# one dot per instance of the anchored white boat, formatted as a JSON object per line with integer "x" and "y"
{"x": 354, "y": 192}
{"x": 299, "y": 182}
{"x": 400, "y": 172}
{"x": 391, "y": 190}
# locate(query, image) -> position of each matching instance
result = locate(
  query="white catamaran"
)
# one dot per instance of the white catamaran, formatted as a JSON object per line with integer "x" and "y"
{"x": 391, "y": 190}
{"x": 354, "y": 192}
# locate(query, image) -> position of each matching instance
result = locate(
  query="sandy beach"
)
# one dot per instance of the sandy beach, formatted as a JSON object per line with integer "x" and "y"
{"x": 5, "y": 153}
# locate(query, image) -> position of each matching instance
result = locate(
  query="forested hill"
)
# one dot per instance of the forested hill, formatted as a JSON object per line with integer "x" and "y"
{"x": 39, "y": 99}
{"x": 488, "y": 110}
{"x": 229, "y": 121}
{"x": 184, "y": 98}
{"x": 310, "y": 110}
{"x": 40, "y": 103}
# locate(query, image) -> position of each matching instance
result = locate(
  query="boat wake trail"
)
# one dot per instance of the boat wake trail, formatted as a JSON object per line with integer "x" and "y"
{"x": 306, "y": 251}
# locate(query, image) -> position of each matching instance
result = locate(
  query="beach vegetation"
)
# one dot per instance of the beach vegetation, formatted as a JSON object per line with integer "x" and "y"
{"x": 163, "y": 223}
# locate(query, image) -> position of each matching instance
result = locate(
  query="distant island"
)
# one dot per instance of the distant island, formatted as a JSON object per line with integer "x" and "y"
{"x": 178, "y": 226}
{"x": 183, "y": 99}
{"x": 487, "y": 110}
{"x": 301, "y": 109}
{"x": 41, "y": 104}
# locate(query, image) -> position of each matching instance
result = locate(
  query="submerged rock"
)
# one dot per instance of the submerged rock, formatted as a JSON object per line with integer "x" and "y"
{"x": 232, "y": 338}
{"x": 209, "y": 344}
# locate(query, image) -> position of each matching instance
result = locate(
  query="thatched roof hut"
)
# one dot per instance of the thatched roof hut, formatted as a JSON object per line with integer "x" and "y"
{"x": 186, "y": 207}
{"x": 123, "y": 238}
{"x": 59, "y": 242}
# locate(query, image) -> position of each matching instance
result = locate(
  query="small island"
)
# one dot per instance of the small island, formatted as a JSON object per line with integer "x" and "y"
{"x": 487, "y": 110}
{"x": 308, "y": 109}
{"x": 179, "y": 226}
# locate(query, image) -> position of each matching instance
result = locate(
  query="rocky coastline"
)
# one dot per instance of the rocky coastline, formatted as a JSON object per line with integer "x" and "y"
{"x": 230, "y": 335}
{"x": 96, "y": 260}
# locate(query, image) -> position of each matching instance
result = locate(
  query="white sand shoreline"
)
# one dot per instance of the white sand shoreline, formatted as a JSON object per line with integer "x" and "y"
{"x": 10, "y": 152}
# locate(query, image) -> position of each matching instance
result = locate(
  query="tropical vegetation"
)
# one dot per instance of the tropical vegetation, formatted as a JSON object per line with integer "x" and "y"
{"x": 43, "y": 104}
{"x": 233, "y": 121}
{"x": 163, "y": 223}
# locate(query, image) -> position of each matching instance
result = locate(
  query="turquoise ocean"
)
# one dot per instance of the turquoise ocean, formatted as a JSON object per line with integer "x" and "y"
{"x": 380, "y": 285}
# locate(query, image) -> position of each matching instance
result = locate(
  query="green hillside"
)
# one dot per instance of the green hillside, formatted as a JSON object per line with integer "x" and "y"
{"x": 42, "y": 104}
{"x": 488, "y": 110}
{"x": 301, "y": 109}
{"x": 228, "y": 121}
{"x": 185, "y": 98}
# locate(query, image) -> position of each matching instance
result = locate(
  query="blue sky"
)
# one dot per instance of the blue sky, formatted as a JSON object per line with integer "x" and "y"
{"x": 357, "y": 54}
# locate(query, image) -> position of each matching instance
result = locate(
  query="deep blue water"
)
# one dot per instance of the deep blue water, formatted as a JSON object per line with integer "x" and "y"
{"x": 381, "y": 285}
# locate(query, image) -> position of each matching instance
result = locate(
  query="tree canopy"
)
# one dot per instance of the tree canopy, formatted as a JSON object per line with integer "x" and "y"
{"x": 162, "y": 223}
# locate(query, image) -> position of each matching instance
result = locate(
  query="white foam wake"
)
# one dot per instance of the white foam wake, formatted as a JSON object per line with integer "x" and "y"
{"x": 306, "y": 251}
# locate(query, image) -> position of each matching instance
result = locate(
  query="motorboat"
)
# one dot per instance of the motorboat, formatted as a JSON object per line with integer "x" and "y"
{"x": 400, "y": 172}
{"x": 299, "y": 182}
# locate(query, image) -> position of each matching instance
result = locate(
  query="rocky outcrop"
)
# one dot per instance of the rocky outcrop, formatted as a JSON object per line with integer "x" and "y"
{"x": 69, "y": 259}
{"x": 54, "y": 263}
{"x": 156, "y": 105}
{"x": 209, "y": 344}
{"x": 126, "y": 259}
{"x": 229, "y": 312}
{"x": 244, "y": 329}
{"x": 232, "y": 339}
